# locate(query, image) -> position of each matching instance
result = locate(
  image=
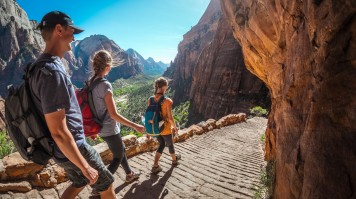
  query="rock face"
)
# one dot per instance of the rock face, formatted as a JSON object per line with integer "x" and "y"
{"x": 305, "y": 52}
{"x": 2, "y": 114}
{"x": 19, "y": 43}
{"x": 150, "y": 66}
{"x": 194, "y": 41}
{"x": 79, "y": 60}
{"x": 209, "y": 70}
{"x": 221, "y": 83}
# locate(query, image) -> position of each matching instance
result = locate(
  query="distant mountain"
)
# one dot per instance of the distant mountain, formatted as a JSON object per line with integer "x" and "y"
{"x": 79, "y": 59}
{"x": 150, "y": 66}
{"x": 163, "y": 65}
{"x": 21, "y": 43}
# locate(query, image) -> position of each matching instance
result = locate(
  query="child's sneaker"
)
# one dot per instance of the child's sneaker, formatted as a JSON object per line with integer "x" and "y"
{"x": 175, "y": 162}
{"x": 132, "y": 177}
{"x": 156, "y": 169}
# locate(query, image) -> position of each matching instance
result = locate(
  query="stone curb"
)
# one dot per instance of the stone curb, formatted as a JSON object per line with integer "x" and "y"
{"x": 17, "y": 172}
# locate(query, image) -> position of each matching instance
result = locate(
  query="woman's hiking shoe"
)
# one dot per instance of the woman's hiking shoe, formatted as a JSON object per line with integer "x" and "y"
{"x": 133, "y": 176}
{"x": 156, "y": 169}
{"x": 175, "y": 162}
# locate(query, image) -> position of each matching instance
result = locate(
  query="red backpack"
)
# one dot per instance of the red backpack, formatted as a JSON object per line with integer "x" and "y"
{"x": 91, "y": 122}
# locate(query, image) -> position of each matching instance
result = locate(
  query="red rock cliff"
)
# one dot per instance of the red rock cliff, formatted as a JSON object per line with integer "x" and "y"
{"x": 209, "y": 71}
{"x": 194, "y": 41}
{"x": 221, "y": 84}
{"x": 305, "y": 52}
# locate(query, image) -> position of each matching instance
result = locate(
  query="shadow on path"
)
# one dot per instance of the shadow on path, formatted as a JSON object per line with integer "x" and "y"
{"x": 151, "y": 188}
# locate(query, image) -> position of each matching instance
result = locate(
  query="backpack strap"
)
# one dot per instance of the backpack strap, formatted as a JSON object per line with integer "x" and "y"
{"x": 160, "y": 101}
{"x": 152, "y": 100}
{"x": 31, "y": 66}
{"x": 96, "y": 82}
{"x": 29, "y": 69}
{"x": 90, "y": 88}
{"x": 159, "y": 107}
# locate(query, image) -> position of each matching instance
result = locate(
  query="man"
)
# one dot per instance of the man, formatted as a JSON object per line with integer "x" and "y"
{"x": 53, "y": 94}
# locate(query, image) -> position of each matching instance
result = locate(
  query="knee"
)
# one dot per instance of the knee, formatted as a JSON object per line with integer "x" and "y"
{"x": 171, "y": 149}
{"x": 160, "y": 148}
{"x": 108, "y": 193}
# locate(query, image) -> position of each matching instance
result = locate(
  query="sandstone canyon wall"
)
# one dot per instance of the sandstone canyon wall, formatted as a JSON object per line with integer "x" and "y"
{"x": 189, "y": 49}
{"x": 305, "y": 53}
{"x": 221, "y": 83}
{"x": 209, "y": 71}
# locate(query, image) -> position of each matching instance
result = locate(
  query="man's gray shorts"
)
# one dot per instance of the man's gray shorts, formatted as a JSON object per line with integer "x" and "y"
{"x": 93, "y": 158}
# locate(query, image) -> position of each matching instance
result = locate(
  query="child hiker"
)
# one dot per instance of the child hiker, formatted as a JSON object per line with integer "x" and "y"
{"x": 166, "y": 131}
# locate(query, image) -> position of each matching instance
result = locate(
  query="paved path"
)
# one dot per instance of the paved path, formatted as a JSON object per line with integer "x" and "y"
{"x": 224, "y": 163}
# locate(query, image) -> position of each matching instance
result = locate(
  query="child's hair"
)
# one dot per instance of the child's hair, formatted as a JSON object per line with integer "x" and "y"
{"x": 160, "y": 82}
{"x": 102, "y": 59}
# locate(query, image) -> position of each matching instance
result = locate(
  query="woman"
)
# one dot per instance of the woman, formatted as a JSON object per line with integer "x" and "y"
{"x": 105, "y": 107}
{"x": 166, "y": 137}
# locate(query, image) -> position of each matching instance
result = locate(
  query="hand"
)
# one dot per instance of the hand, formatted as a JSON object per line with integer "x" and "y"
{"x": 148, "y": 136}
{"x": 175, "y": 130}
{"x": 140, "y": 128}
{"x": 91, "y": 174}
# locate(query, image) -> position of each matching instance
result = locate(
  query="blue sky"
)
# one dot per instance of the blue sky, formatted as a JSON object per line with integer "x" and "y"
{"x": 154, "y": 28}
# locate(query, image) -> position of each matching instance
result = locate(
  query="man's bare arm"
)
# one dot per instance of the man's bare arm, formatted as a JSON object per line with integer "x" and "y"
{"x": 56, "y": 122}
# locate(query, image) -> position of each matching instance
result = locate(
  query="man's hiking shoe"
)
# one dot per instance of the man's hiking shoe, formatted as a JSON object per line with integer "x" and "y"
{"x": 133, "y": 176}
{"x": 175, "y": 162}
{"x": 156, "y": 169}
{"x": 95, "y": 193}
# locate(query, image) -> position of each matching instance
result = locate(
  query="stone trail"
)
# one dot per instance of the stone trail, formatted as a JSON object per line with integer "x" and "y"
{"x": 223, "y": 163}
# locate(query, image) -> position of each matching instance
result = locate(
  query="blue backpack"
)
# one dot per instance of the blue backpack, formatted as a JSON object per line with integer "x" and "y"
{"x": 153, "y": 116}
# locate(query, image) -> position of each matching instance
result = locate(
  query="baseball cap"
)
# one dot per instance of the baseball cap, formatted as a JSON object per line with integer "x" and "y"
{"x": 53, "y": 18}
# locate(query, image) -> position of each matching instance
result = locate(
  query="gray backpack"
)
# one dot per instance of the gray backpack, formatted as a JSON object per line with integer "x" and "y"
{"x": 27, "y": 127}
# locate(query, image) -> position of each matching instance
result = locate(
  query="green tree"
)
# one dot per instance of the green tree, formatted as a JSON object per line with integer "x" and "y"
{"x": 258, "y": 111}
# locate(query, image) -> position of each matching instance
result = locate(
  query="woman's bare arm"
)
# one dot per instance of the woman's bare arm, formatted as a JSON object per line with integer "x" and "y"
{"x": 111, "y": 107}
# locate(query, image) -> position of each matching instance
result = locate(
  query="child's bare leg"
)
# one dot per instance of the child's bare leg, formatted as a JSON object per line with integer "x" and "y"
{"x": 157, "y": 157}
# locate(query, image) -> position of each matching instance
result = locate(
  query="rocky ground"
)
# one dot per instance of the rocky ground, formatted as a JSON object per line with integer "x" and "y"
{"x": 223, "y": 163}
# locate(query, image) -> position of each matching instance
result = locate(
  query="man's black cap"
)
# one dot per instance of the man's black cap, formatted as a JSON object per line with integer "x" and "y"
{"x": 53, "y": 18}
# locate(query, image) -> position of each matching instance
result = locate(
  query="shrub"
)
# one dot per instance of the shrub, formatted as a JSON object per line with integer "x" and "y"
{"x": 92, "y": 142}
{"x": 258, "y": 111}
{"x": 263, "y": 137}
{"x": 180, "y": 114}
{"x": 267, "y": 178}
{"x": 6, "y": 145}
